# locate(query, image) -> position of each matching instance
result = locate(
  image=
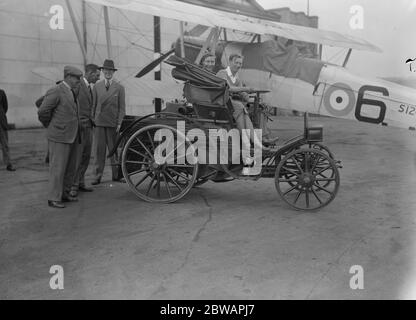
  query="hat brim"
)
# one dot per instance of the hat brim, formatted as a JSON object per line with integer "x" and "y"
{"x": 75, "y": 75}
{"x": 113, "y": 69}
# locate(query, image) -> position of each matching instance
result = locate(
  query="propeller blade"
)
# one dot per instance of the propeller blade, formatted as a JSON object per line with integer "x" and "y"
{"x": 153, "y": 64}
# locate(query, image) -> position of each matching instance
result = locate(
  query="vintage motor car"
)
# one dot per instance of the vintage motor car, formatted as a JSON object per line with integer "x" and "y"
{"x": 305, "y": 171}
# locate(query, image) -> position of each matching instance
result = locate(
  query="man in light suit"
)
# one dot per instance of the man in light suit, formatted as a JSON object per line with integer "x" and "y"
{"x": 4, "y": 138}
{"x": 109, "y": 110}
{"x": 85, "y": 101}
{"x": 59, "y": 113}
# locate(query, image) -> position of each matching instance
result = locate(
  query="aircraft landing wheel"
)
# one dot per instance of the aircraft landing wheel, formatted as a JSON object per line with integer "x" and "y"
{"x": 307, "y": 170}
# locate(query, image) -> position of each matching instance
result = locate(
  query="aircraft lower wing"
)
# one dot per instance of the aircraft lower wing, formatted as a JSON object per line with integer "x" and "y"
{"x": 52, "y": 74}
{"x": 216, "y": 18}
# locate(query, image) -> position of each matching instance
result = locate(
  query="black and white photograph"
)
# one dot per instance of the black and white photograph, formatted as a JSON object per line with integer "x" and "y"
{"x": 207, "y": 150}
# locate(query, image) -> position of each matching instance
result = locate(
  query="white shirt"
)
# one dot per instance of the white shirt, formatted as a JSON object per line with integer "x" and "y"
{"x": 108, "y": 82}
{"x": 67, "y": 85}
{"x": 231, "y": 76}
{"x": 89, "y": 85}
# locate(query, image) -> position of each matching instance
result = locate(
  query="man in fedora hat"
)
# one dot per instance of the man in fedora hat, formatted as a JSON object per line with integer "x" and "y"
{"x": 108, "y": 113}
{"x": 59, "y": 113}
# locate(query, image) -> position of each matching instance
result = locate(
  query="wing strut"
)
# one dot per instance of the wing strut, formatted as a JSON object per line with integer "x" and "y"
{"x": 212, "y": 37}
{"x": 107, "y": 32}
{"x": 347, "y": 58}
{"x": 182, "y": 39}
{"x": 77, "y": 31}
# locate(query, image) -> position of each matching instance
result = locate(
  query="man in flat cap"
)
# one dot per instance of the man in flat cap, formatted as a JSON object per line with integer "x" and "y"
{"x": 85, "y": 100}
{"x": 59, "y": 113}
{"x": 109, "y": 110}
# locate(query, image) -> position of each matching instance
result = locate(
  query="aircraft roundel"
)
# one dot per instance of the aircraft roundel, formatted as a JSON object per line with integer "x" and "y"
{"x": 339, "y": 99}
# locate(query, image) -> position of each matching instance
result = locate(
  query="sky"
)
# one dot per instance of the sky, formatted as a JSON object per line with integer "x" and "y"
{"x": 389, "y": 24}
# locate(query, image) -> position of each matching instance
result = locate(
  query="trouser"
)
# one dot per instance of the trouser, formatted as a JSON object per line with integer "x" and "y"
{"x": 105, "y": 138}
{"x": 262, "y": 118}
{"x": 84, "y": 156}
{"x": 62, "y": 168}
{"x": 4, "y": 141}
{"x": 47, "y": 151}
{"x": 243, "y": 121}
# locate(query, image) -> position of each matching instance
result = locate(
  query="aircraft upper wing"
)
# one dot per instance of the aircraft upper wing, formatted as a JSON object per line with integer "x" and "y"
{"x": 216, "y": 18}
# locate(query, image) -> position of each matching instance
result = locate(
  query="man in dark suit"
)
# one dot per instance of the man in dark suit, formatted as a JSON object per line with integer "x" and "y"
{"x": 85, "y": 100}
{"x": 38, "y": 103}
{"x": 109, "y": 110}
{"x": 59, "y": 113}
{"x": 4, "y": 137}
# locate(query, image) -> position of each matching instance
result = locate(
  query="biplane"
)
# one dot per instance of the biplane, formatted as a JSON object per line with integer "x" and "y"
{"x": 305, "y": 171}
{"x": 295, "y": 81}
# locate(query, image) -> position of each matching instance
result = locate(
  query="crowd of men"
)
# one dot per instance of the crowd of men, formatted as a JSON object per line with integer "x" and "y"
{"x": 76, "y": 110}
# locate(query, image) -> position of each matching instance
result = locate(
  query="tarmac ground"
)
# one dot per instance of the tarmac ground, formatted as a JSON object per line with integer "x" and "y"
{"x": 235, "y": 240}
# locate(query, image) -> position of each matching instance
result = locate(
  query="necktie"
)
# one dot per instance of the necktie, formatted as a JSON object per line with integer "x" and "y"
{"x": 107, "y": 85}
{"x": 76, "y": 103}
{"x": 74, "y": 95}
{"x": 89, "y": 88}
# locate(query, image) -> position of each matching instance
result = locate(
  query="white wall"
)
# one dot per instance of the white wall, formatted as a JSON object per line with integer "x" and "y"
{"x": 27, "y": 42}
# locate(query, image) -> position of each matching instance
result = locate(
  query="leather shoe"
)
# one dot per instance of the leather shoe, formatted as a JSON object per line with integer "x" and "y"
{"x": 10, "y": 168}
{"x": 95, "y": 182}
{"x": 56, "y": 204}
{"x": 85, "y": 189}
{"x": 69, "y": 199}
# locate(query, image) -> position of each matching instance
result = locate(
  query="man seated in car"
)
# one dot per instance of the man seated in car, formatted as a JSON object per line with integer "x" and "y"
{"x": 240, "y": 98}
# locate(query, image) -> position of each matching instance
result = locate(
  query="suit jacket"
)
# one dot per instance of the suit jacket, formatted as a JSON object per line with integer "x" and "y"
{"x": 3, "y": 110}
{"x": 85, "y": 101}
{"x": 109, "y": 106}
{"x": 60, "y": 114}
{"x": 38, "y": 102}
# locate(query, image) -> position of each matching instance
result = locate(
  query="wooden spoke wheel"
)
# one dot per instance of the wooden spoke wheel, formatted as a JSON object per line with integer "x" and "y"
{"x": 316, "y": 146}
{"x": 321, "y": 164}
{"x": 307, "y": 179}
{"x": 149, "y": 178}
